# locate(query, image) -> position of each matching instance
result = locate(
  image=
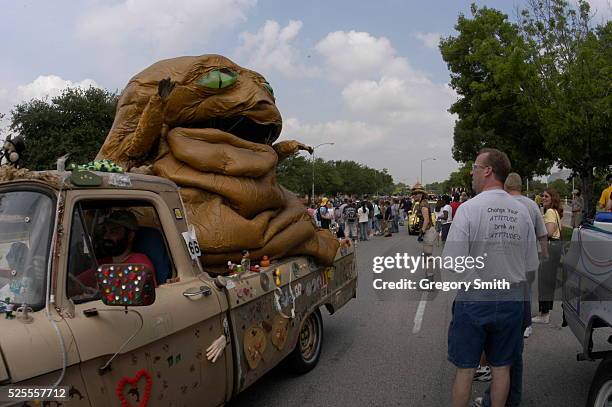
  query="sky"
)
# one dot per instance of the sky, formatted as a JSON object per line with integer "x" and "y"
{"x": 364, "y": 75}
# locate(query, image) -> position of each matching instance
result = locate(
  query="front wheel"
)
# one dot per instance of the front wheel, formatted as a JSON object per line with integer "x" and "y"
{"x": 307, "y": 351}
{"x": 600, "y": 394}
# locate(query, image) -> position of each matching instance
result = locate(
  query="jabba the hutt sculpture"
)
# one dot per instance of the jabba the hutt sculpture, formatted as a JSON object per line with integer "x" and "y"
{"x": 208, "y": 125}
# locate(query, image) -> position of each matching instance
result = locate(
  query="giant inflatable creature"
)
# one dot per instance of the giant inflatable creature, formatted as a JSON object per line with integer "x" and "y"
{"x": 208, "y": 125}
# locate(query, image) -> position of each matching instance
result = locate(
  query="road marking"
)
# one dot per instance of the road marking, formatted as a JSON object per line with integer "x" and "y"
{"x": 418, "y": 317}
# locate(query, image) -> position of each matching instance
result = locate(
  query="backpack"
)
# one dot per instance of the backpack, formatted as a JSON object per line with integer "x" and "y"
{"x": 350, "y": 214}
{"x": 322, "y": 210}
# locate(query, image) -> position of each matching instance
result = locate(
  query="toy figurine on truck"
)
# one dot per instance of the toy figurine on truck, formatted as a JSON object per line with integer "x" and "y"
{"x": 122, "y": 295}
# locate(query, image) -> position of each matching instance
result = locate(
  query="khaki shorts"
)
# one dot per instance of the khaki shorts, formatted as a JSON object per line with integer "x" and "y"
{"x": 428, "y": 238}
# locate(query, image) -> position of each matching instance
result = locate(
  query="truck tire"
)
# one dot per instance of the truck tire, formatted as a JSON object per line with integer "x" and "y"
{"x": 600, "y": 394}
{"x": 307, "y": 351}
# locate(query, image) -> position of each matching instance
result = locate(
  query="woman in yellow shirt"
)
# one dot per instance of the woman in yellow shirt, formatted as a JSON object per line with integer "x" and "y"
{"x": 547, "y": 278}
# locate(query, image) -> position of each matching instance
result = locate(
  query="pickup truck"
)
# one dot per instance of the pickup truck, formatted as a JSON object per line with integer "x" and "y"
{"x": 199, "y": 340}
{"x": 587, "y": 302}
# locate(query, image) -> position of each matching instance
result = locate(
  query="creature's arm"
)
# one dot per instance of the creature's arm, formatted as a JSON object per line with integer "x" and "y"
{"x": 150, "y": 124}
{"x": 287, "y": 148}
{"x": 136, "y": 131}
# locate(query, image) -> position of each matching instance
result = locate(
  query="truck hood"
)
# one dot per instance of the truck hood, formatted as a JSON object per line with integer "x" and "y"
{"x": 32, "y": 349}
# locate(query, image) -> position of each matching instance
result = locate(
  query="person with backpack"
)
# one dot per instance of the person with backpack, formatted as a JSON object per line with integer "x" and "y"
{"x": 323, "y": 215}
{"x": 370, "y": 218}
{"x": 350, "y": 219}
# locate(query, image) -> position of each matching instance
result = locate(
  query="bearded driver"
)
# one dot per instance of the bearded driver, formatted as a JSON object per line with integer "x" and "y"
{"x": 119, "y": 230}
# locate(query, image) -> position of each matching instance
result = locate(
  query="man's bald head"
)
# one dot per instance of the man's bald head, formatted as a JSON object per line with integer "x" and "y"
{"x": 513, "y": 183}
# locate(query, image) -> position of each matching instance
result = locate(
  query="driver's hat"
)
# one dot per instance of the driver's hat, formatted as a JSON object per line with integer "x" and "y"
{"x": 123, "y": 218}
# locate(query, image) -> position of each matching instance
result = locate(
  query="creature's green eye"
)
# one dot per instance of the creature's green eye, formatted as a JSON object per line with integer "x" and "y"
{"x": 219, "y": 78}
{"x": 269, "y": 88}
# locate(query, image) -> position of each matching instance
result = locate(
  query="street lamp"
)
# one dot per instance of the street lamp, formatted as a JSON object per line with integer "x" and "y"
{"x": 313, "y": 165}
{"x": 425, "y": 159}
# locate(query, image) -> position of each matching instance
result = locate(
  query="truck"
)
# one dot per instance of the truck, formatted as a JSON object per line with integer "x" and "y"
{"x": 193, "y": 337}
{"x": 587, "y": 302}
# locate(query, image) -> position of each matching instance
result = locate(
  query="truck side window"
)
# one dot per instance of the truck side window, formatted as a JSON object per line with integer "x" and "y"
{"x": 118, "y": 232}
{"x": 81, "y": 261}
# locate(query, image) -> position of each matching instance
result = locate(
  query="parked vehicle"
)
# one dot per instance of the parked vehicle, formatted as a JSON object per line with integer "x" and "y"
{"x": 188, "y": 338}
{"x": 587, "y": 302}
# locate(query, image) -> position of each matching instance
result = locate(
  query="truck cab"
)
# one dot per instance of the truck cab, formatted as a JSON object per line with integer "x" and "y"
{"x": 59, "y": 331}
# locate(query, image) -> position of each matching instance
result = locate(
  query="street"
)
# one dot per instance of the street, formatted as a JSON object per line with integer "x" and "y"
{"x": 389, "y": 349}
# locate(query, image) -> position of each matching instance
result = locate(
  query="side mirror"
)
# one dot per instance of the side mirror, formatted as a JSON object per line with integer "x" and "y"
{"x": 126, "y": 285}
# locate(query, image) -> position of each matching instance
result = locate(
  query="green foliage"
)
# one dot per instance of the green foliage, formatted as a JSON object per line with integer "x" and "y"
{"x": 332, "y": 177}
{"x": 295, "y": 174}
{"x": 538, "y": 89}
{"x": 574, "y": 65}
{"x": 489, "y": 71}
{"x": 75, "y": 122}
{"x": 401, "y": 189}
{"x": 563, "y": 188}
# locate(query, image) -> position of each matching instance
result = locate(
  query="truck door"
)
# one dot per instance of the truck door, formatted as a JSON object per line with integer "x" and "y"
{"x": 161, "y": 348}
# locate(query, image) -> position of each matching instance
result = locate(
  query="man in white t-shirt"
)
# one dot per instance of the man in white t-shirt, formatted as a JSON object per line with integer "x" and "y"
{"x": 496, "y": 229}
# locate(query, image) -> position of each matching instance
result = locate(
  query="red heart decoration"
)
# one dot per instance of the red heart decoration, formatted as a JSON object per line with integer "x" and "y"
{"x": 134, "y": 383}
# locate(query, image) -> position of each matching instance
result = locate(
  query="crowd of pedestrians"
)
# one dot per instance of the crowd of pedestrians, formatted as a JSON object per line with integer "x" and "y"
{"x": 488, "y": 328}
{"x": 361, "y": 218}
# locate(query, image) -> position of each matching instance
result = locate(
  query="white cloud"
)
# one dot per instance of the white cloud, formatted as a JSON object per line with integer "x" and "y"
{"x": 430, "y": 40}
{"x": 48, "y": 86}
{"x": 394, "y": 100}
{"x": 392, "y": 113}
{"x": 165, "y": 25}
{"x": 348, "y": 136}
{"x": 359, "y": 55}
{"x": 602, "y": 9}
{"x": 271, "y": 49}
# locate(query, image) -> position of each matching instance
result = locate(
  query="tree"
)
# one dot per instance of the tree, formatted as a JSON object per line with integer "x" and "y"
{"x": 75, "y": 122}
{"x": 333, "y": 177}
{"x": 538, "y": 89}
{"x": 573, "y": 61}
{"x": 489, "y": 71}
{"x": 295, "y": 174}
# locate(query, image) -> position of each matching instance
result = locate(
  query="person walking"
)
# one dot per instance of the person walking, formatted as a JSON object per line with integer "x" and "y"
{"x": 370, "y": 217}
{"x": 387, "y": 219}
{"x": 577, "y": 208}
{"x": 494, "y": 227}
{"x": 363, "y": 214}
{"x": 455, "y": 203}
{"x": 323, "y": 215}
{"x": 341, "y": 220}
{"x": 376, "y": 220}
{"x": 395, "y": 215}
{"x": 350, "y": 220}
{"x": 547, "y": 278}
{"x": 447, "y": 216}
{"x": 438, "y": 216}
{"x": 427, "y": 233}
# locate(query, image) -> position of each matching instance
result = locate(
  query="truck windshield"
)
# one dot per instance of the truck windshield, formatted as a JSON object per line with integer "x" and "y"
{"x": 25, "y": 233}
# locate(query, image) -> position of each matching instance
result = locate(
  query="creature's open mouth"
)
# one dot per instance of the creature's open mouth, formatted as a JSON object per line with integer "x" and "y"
{"x": 243, "y": 127}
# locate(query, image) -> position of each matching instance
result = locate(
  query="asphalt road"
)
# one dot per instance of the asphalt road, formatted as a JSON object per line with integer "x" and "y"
{"x": 376, "y": 353}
